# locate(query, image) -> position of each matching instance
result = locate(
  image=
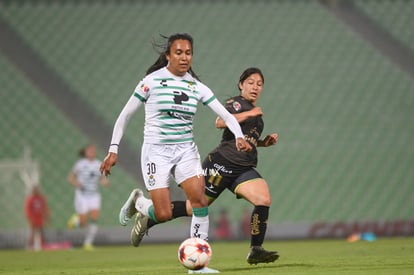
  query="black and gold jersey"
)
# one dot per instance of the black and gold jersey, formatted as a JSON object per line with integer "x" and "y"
{"x": 252, "y": 129}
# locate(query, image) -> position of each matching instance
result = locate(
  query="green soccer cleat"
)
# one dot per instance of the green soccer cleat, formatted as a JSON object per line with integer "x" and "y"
{"x": 259, "y": 255}
{"x": 204, "y": 270}
{"x": 128, "y": 209}
{"x": 140, "y": 229}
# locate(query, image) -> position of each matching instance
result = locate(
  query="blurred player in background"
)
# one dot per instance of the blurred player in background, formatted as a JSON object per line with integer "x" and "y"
{"x": 223, "y": 230}
{"x": 226, "y": 167}
{"x": 171, "y": 92}
{"x": 37, "y": 214}
{"x": 85, "y": 177}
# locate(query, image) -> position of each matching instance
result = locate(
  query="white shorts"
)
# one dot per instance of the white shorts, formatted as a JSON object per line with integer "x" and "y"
{"x": 159, "y": 161}
{"x": 84, "y": 203}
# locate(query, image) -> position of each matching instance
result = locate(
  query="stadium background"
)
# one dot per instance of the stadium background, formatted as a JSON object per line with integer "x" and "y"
{"x": 341, "y": 103}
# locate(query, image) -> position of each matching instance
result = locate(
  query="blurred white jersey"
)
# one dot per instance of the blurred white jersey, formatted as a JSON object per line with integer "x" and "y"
{"x": 88, "y": 174}
{"x": 171, "y": 103}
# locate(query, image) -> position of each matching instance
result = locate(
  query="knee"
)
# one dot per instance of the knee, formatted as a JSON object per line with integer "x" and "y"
{"x": 83, "y": 221}
{"x": 200, "y": 201}
{"x": 163, "y": 215}
{"x": 264, "y": 201}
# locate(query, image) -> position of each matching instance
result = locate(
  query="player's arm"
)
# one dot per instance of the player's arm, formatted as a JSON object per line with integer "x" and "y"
{"x": 119, "y": 128}
{"x": 268, "y": 140}
{"x": 232, "y": 124}
{"x": 46, "y": 210}
{"x": 27, "y": 208}
{"x": 73, "y": 180}
{"x": 240, "y": 117}
{"x": 104, "y": 181}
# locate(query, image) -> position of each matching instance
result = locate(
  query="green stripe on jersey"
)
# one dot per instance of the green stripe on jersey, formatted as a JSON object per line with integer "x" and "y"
{"x": 171, "y": 126}
{"x": 140, "y": 97}
{"x": 189, "y": 82}
{"x": 166, "y": 117}
{"x": 209, "y": 100}
{"x": 176, "y": 140}
{"x": 175, "y": 133}
{"x": 161, "y": 79}
{"x": 172, "y": 87}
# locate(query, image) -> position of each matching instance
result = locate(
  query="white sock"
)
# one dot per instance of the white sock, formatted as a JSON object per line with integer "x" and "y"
{"x": 90, "y": 235}
{"x": 199, "y": 227}
{"x": 142, "y": 204}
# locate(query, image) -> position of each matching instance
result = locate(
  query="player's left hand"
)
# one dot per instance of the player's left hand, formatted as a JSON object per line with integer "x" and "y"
{"x": 109, "y": 161}
{"x": 270, "y": 140}
{"x": 243, "y": 145}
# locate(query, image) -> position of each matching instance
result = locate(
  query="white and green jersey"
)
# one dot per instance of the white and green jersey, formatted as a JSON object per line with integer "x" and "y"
{"x": 88, "y": 175}
{"x": 170, "y": 105}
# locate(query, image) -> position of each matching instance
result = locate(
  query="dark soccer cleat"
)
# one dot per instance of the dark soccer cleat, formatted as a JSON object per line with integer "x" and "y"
{"x": 259, "y": 255}
{"x": 140, "y": 229}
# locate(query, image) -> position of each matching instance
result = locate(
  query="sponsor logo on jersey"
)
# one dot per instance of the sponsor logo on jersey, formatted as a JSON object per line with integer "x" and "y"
{"x": 163, "y": 83}
{"x": 180, "y": 116}
{"x": 221, "y": 168}
{"x": 144, "y": 88}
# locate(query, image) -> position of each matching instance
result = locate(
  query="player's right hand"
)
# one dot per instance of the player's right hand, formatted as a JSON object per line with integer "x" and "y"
{"x": 109, "y": 161}
{"x": 243, "y": 145}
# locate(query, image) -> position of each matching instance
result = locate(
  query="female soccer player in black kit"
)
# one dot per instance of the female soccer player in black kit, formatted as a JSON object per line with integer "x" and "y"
{"x": 228, "y": 168}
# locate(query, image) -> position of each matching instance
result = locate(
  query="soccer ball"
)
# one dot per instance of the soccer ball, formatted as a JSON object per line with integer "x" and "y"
{"x": 194, "y": 253}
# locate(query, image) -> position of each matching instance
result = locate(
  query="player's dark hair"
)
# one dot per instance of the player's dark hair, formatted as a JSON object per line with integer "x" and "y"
{"x": 82, "y": 151}
{"x": 248, "y": 72}
{"x": 164, "y": 48}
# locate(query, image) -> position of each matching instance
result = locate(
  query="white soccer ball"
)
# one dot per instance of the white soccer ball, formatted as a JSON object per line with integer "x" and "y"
{"x": 194, "y": 253}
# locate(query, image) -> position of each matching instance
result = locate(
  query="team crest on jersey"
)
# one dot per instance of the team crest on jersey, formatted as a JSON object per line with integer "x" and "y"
{"x": 191, "y": 86}
{"x": 144, "y": 88}
{"x": 236, "y": 105}
{"x": 151, "y": 180}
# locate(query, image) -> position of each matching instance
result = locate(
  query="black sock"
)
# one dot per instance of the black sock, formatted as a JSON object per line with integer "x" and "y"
{"x": 178, "y": 210}
{"x": 258, "y": 225}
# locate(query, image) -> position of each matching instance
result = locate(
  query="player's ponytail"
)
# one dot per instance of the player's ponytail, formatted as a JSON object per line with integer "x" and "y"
{"x": 82, "y": 152}
{"x": 159, "y": 63}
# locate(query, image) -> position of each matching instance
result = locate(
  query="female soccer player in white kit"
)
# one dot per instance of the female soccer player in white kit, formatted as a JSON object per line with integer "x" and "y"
{"x": 170, "y": 91}
{"x": 85, "y": 177}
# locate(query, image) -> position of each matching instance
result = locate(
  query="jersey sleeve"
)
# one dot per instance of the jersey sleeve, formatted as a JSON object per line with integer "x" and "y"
{"x": 142, "y": 90}
{"x": 228, "y": 118}
{"x": 139, "y": 96}
{"x": 206, "y": 94}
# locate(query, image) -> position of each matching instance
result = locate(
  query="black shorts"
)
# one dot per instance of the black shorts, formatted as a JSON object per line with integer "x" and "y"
{"x": 221, "y": 174}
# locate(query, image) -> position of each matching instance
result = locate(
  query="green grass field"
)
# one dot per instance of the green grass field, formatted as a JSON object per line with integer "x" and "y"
{"x": 384, "y": 256}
